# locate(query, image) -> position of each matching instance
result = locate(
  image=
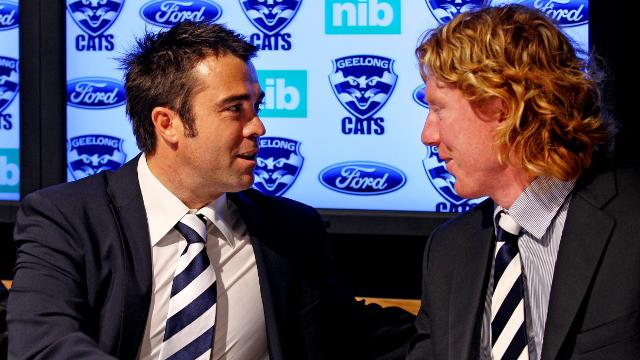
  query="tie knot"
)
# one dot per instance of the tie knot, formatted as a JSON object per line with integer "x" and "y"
{"x": 508, "y": 229}
{"x": 193, "y": 227}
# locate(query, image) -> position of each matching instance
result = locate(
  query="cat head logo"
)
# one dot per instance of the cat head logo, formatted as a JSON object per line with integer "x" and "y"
{"x": 94, "y": 16}
{"x": 439, "y": 177}
{"x": 279, "y": 163}
{"x": 445, "y": 10}
{"x": 8, "y": 81}
{"x": 90, "y": 154}
{"x": 363, "y": 83}
{"x": 270, "y": 16}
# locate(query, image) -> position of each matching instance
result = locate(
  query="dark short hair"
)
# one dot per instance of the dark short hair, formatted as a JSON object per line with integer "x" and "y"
{"x": 158, "y": 72}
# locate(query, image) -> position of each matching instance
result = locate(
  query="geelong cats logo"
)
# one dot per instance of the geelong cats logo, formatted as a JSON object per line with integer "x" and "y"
{"x": 445, "y": 10}
{"x": 279, "y": 163}
{"x": 94, "y": 16}
{"x": 8, "y": 81}
{"x": 444, "y": 182}
{"x": 90, "y": 154}
{"x": 270, "y": 17}
{"x": 363, "y": 84}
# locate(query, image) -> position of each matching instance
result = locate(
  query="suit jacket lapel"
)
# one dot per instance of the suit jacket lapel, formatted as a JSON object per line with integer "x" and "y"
{"x": 585, "y": 235}
{"x": 129, "y": 212}
{"x": 469, "y": 285}
{"x": 274, "y": 299}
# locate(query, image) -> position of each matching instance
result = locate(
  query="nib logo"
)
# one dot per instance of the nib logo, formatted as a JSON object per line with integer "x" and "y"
{"x": 362, "y": 17}
{"x": 285, "y": 93}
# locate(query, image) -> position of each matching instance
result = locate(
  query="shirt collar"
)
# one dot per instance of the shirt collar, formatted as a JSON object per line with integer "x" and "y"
{"x": 164, "y": 209}
{"x": 538, "y": 204}
{"x": 217, "y": 212}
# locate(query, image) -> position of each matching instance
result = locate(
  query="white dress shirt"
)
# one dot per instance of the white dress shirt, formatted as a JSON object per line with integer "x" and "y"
{"x": 240, "y": 331}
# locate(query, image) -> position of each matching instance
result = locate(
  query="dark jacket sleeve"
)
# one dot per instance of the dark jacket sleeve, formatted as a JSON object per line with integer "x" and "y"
{"x": 359, "y": 330}
{"x": 420, "y": 345}
{"x": 3, "y": 324}
{"x": 48, "y": 314}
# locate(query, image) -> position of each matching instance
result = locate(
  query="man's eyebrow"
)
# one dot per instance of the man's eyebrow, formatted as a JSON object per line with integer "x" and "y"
{"x": 233, "y": 98}
{"x": 241, "y": 97}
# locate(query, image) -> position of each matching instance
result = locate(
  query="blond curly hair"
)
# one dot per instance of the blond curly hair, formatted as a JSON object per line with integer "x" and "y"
{"x": 552, "y": 116}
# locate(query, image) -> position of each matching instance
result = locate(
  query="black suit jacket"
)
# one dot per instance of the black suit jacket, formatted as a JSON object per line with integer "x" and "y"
{"x": 82, "y": 280}
{"x": 595, "y": 293}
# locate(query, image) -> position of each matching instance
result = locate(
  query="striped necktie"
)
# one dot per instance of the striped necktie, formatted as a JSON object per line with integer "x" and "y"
{"x": 189, "y": 330}
{"x": 508, "y": 330}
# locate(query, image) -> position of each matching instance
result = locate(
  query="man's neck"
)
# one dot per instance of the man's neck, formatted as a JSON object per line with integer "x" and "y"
{"x": 177, "y": 182}
{"x": 515, "y": 181}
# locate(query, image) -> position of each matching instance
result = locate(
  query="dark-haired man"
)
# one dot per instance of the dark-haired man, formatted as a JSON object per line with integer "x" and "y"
{"x": 171, "y": 257}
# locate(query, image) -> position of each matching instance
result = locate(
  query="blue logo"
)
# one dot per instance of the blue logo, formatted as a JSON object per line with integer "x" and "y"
{"x": 94, "y": 16}
{"x": 270, "y": 16}
{"x": 445, "y": 10}
{"x": 90, "y": 154}
{"x": 363, "y": 83}
{"x": 566, "y": 13}
{"x": 9, "y": 81}
{"x": 418, "y": 96}
{"x": 166, "y": 13}
{"x": 444, "y": 183}
{"x": 362, "y": 178}
{"x": 95, "y": 93}
{"x": 8, "y": 15}
{"x": 279, "y": 163}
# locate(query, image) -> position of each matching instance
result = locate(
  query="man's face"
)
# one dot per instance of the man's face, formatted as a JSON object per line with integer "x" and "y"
{"x": 464, "y": 135}
{"x": 222, "y": 155}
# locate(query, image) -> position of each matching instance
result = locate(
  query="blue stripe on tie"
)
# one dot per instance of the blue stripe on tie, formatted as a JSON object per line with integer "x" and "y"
{"x": 197, "y": 265}
{"x": 506, "y": 310}
{"x": 189, "y": 234}
{"x": 516, "y": 346}
{"x": 191, "y": 312}
{"x": 197, "y": 347}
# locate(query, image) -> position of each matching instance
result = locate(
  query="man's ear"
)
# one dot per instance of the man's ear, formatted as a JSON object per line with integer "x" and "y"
{"x": 491, "y": 109}
{"x": 167, "y": 124}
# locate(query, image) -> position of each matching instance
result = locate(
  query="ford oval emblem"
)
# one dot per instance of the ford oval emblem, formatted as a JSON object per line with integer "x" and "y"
{"x": 362, "y": 178}
{"x": 95, "y": 93}
{"x": 166, "y": 13}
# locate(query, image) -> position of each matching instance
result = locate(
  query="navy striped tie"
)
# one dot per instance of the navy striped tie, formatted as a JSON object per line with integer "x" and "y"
{"x": 189, "y": 330}
{"x": 508, "y": 330}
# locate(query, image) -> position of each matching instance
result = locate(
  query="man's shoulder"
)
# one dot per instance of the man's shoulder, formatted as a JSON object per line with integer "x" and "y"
{"x": 262, "y": 212}
{"x": 470, "y": 221}
{"x": 86, "y": 189}
{"x": 89, "y": 189}
{"x": 253, "y": 197}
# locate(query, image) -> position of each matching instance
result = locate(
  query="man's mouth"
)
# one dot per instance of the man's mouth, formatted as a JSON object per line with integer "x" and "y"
{"x": 251, "y": 155}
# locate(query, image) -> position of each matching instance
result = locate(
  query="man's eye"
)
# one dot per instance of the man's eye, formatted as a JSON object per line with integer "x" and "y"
{"x": 235, "y": 108}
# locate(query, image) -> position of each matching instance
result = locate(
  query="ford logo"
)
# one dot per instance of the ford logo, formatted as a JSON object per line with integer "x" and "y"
{"x": 95, "y": 93}
{"x": 564, "y": 12}
{"x": 362, "y": 178}
{"x": 418, "y": 96}
{"x": 8, "y": 15}
{"x": 166, "y": 13}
